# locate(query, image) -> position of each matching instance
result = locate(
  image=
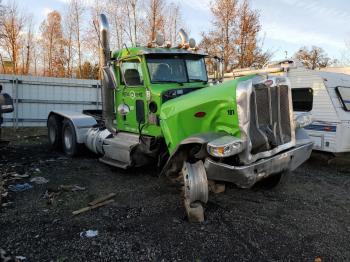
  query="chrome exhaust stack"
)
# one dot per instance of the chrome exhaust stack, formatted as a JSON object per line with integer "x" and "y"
{"x": 184, "y": 37}
{"x": 107, "y": 92}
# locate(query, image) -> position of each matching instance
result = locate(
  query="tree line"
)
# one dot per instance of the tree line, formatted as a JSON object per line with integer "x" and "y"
{"x": 65, "y": 44}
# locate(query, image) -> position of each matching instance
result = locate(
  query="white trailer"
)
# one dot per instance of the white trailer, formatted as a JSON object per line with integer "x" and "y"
{"x": 326, "y": 95}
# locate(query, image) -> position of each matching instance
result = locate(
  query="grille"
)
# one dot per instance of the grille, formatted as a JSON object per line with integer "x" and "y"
{"x": 269, "y": 118}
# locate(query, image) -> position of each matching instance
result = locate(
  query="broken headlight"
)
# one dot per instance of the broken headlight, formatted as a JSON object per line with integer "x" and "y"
{"x": 225, "y": 146}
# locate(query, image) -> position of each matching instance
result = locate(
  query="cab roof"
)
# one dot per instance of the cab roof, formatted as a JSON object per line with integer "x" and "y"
{"x": 133, "y": 51}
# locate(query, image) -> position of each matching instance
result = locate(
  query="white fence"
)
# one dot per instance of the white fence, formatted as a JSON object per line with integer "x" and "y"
{"x": 34, "y": 97}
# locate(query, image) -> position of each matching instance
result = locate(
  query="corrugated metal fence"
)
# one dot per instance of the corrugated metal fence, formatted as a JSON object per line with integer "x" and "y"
{"x": 34, "y": 97}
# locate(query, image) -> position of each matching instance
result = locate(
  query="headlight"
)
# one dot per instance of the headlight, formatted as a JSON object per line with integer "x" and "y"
{"x": 225, "y": 146}
{"x": 303, "y": 120}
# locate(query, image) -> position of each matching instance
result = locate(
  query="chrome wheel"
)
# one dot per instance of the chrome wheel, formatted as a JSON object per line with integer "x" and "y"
{"x": 195, "y": 190}
{"x": 195, "y": 182}
{"x": 68, "y": 138}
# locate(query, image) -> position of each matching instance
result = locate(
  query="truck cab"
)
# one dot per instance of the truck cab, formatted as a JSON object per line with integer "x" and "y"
{"x": 149, "y": 77}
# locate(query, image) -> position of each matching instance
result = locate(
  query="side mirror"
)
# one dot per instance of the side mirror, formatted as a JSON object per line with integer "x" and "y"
{"x": 217, "y": 67}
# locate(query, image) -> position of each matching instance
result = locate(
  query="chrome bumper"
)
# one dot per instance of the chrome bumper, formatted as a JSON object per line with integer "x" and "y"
{"x": 247, "y": 176}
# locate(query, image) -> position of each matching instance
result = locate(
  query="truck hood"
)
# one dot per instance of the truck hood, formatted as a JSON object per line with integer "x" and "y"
{"x": 208, "y": 110}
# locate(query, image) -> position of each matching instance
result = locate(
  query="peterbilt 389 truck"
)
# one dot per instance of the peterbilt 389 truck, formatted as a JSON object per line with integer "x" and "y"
{"x": 159, "y": 108}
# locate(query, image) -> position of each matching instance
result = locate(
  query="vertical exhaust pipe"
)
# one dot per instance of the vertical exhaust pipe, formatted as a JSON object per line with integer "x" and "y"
{"x": 184, "y": 37}
{"x": 107, "y": 94}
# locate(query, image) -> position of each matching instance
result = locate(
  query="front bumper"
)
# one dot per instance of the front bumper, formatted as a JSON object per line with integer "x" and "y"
{"x": 246, "y": 176}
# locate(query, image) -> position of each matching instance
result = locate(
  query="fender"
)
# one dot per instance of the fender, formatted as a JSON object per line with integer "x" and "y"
{"x": 81, "y": 122}
{"x": 175, "y": 161}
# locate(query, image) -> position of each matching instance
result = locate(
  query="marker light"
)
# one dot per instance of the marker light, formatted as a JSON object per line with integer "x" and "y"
{"x": 200, "y": 114}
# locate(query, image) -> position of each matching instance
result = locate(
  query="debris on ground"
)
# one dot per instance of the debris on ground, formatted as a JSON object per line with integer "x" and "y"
{"x": 39, "y": 180}
{"x": 50, "y": 195}
{"x": 14, "y": 176}
{"x": 21, "y": 258}
{"x": 20, "y": 187}
{"x": 85, "y": 209}
{"x": 215, "y": 187}
{"x": 101, "y": 199}
{"x": 89, "y": 233}
{"x": 5, "y": 256}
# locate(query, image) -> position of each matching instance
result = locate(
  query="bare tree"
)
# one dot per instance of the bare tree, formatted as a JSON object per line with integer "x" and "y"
{"x": 155, "y": 18}
{"x": 53, "y": 44}
{"x": 91, "y": 36}
{"x": 116, "y": 12}
{"x": 77, "y": 10}
{"x": 313, "y": 58}
{"x": 28, "y": 46}
{"x": 11, "y": 27}
{"x": 222, "y": 36}
{"x": 2, "y": 18}
{"x": 234, "y": 35}
{"x": 173, "y": 22}
{"x": 248, "y": 51}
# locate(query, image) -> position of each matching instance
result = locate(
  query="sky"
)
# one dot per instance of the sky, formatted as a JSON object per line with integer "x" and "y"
{"x": 286, "y": 24}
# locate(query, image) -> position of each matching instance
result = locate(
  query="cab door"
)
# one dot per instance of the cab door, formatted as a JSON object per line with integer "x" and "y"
{"x": 131, "y": 99}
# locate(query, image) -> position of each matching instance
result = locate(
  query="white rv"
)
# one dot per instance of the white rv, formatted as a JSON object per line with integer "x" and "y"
{"x": 325, "y": 95}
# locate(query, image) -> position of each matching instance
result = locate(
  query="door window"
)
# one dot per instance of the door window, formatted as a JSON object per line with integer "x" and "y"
{"x": 132, "y": 73}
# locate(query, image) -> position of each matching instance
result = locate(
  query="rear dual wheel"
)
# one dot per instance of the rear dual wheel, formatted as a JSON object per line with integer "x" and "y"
{"x": 54, "y": 129}
{"x": 62, "y": 135}
{"x": 69, "y": 138}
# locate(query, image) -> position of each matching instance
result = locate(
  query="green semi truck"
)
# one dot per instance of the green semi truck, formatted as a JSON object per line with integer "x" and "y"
{"x": 158, "y": 107}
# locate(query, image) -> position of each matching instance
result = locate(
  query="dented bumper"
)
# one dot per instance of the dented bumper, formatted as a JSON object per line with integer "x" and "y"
{"x": 246, "y": 176}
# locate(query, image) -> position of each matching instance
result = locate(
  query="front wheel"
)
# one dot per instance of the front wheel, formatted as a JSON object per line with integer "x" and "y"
{"x": 69, "y": 139}
{"x": 195, "y": 190}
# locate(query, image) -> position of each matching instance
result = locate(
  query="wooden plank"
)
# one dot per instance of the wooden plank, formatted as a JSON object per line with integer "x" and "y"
{"x": 101, "y": 199}
{"x": 85, "y": 209}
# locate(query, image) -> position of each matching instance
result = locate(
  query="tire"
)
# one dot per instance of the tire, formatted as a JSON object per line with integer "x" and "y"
{"x": 54, "y": 132}
{"x": 274, "y": 182}
{"x": 69, "y": 139}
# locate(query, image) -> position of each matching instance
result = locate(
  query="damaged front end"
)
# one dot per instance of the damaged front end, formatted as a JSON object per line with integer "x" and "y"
{"x": 272, "y": 140}
{"x": 260, "y": 139}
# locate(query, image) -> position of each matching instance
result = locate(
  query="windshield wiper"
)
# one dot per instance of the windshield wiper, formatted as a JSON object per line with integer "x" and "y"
{"x": 198, "y": 80}
{"x": 168, "y": 81}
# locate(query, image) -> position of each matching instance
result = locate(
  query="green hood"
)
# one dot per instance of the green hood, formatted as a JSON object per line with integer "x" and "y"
{"x": 183, "y": 116}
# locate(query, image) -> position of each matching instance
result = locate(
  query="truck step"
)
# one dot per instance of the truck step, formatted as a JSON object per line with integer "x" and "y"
{"x": 123, "y": 141}
{"x": 119, "y": 147}
{"x": 113, "y": 162}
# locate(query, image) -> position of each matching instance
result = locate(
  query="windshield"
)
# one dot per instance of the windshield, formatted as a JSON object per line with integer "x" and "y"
{"x": 177, "y": 69}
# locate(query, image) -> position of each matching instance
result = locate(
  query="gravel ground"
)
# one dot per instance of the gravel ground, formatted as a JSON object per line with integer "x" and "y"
{"x": 309, "y": 218}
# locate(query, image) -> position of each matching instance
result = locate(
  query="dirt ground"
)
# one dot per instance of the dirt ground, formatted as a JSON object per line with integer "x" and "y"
{"x": 309, "y": 218}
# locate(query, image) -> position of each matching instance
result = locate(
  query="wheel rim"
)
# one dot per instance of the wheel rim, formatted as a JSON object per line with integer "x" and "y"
{"x": 68, "y": 138}
{"x": 195, "y": 182}
{"x": 52, "y": 134}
